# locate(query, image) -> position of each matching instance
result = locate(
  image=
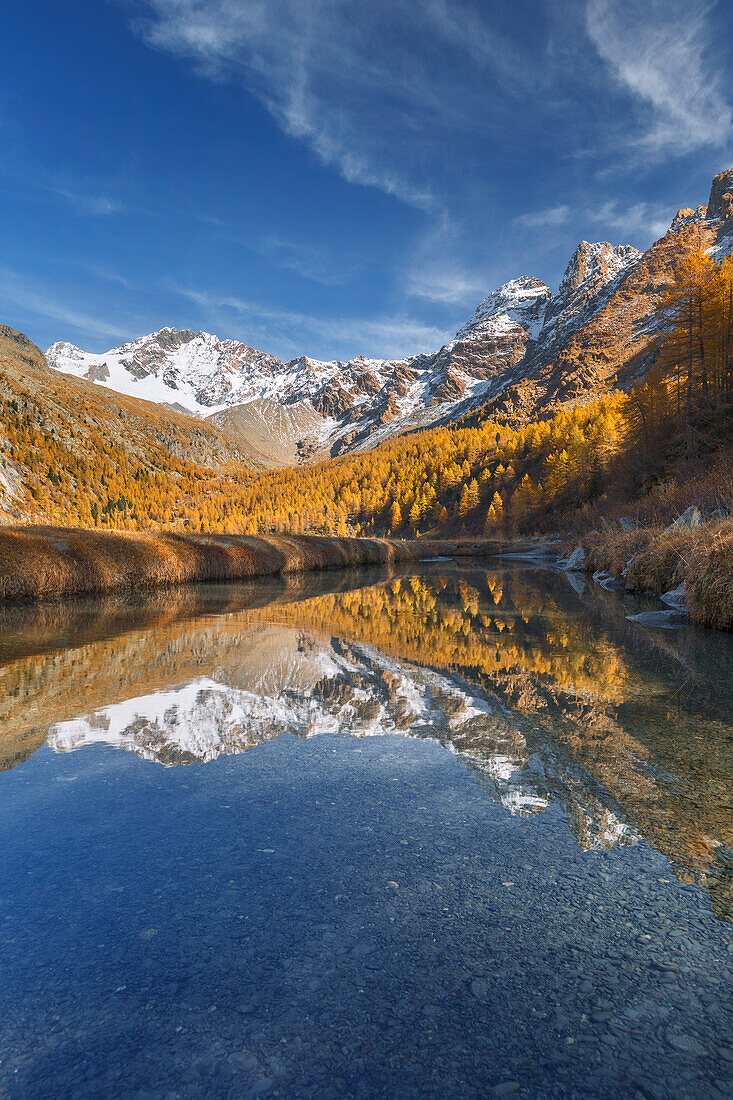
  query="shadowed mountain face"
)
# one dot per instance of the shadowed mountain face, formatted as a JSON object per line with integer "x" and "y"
{"x": 552, "y": 698}
{"x": 524, "y": 349}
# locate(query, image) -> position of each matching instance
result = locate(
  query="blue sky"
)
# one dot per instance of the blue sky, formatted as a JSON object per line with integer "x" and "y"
{"x": 338, "y": 177}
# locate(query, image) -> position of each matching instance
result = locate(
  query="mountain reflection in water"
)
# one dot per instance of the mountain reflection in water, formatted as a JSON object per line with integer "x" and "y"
{"x": 548, "y": 695}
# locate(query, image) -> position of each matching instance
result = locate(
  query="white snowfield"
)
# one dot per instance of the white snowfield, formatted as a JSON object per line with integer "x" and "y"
{"x": 349, "y": 405}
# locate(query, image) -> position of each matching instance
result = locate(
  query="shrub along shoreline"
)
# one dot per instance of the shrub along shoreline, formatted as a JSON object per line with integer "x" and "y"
{"x": 50, "y": 562}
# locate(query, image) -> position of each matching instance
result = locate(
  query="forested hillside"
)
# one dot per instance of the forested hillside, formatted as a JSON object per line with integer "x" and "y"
{"x": 75, "y": 454}
{"x": 667, "y": 440}
{"x": 78, "y": 455}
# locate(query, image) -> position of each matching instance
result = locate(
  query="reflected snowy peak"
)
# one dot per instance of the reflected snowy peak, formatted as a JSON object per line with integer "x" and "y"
{"x": 294, "y": 683}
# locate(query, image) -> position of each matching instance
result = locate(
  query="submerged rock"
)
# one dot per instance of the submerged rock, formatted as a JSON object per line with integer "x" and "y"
{"x": 576, "y": 581}
{"x": 667, "y": 620}
{"x": 607, "y": 581}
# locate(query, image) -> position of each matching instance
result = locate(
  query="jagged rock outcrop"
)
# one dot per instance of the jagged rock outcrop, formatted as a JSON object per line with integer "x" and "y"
{"x": 495, "y": 338}
{"x": 721, "y": 195}
{"x": 599, "y": 324}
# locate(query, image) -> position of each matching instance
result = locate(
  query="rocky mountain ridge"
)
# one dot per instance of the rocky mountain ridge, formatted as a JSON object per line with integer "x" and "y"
{"x": 523, "y": 350}
{"x": 600, "y": 335}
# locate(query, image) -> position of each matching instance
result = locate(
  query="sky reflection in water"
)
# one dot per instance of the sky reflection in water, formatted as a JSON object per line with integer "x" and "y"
{"x": 546, "y": 905}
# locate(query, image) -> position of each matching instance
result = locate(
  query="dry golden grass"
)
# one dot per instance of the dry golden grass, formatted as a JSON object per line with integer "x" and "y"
{"x": 710, "y": 579}
{"x": 48, "y": 562}
{"x": 611, "y": 551}
{"x": 706, "y": 481}
{"x": 701, "y": 557}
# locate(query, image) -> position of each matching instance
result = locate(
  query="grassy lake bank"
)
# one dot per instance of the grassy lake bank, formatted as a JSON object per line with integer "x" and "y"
{"x": 51, "y": 562}
{"x": 656, "y": 560}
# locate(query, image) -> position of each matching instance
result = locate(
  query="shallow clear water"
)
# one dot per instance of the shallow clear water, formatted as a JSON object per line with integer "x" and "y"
{"x": 444, "y": 831}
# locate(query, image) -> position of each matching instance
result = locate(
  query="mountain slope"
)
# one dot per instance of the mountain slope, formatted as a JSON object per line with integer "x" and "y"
{"x": 598, "y": 328}
{"x": 69, "y": 448}
{"x": 524, "y": 350}
{"x": 272, "y": 433}
{"x": 334, "y": 406}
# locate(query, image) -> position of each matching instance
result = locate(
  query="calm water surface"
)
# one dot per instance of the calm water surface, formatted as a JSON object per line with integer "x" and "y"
{"x": 449, "y": 831}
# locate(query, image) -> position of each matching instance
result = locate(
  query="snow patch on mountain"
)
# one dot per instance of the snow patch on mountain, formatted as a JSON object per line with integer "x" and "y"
{"x": 590, "y": 279}
{"x": 723, "y": 248}
{"x": 520, "y": 302}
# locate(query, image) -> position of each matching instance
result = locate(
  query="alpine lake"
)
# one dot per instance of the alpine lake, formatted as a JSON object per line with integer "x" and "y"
{"x": 449, "y": 829}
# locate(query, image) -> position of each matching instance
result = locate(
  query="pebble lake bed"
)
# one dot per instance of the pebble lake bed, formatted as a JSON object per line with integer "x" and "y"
{"x": 436, "y": 830}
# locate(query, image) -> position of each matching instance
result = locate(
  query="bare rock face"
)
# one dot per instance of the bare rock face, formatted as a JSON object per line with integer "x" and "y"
{"x": 721, "y": 189}
{"x": 389, "y": 410}
{"x": 495, "y": 337}
{"x": 98, "y": 372}
{"x": 682, "y": 217}
{"x": 23, "y": 349}
{"x": 592, "y": 274}
{"x": 450, "y": 387}
{"x": 492, "y": 341}
{"x": 141, "y": 358}
{"x": 333, "y": 400}
{"x": 519, "y": 303}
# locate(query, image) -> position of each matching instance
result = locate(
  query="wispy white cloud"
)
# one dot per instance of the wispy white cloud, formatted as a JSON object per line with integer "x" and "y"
{"x": 26, "y": 295}
{"x": 447, "y": 283}
{"x": 391, "y": 336}
{"x": 659, "y": 52}
{"x": 94, "y": 204}
{"x": 540, "y": 219}
{"x": 437, "y": 101}
{"x": 289, "y": 332}
{"x": 643, "y": 220}
{"x": 349, "y": 80}
{"x": 309, "y": 261}
{"x": 439, "y": 269}
{"x": 109, "y": 274}
{"x": 467, "y": 28}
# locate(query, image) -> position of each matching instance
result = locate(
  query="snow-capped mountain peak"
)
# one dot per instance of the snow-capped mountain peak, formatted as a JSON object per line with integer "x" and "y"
{"x": 197, "y": 372}
{"x": 520, "y": 301}
{"x": 596, "y": 263}
{"x": 523, "y": 349}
